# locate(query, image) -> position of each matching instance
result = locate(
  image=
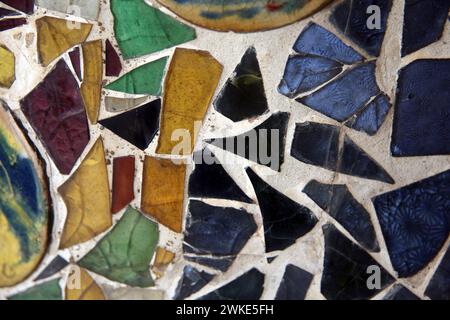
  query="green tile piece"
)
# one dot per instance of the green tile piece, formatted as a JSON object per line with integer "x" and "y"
{"x": 141, "y": 29}
{"x": 50, "y": 290}
{"x": 146, "y": 79}
{"x": 124, "y": 255}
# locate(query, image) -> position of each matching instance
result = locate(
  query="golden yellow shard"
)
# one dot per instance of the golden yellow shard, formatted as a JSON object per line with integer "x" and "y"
{"x": 189, "y": 87}
{"x": 55, "y": 36}
{"x": 162, "y": 260}
{"x": 86, "y": 195}
{"x": 7, "y": 67}
{"x": 83, "y": 288}
{"x": 163, "y": 191}
{"x": 91, "y": 88}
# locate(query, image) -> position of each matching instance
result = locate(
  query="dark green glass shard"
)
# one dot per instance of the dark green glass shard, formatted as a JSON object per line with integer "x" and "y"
{"x": 141, "y": 29}
{"x": 145, "y": 79}
{"x": 50, "y": 290}
{"x": 124, "y": 255}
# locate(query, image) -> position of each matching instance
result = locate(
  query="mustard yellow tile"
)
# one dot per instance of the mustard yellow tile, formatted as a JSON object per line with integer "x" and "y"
{"x": 84, "y": 288}
{"x": 7, "y": 67}
{"x": 91, "y": 88}
{"x": 163, "y": 259}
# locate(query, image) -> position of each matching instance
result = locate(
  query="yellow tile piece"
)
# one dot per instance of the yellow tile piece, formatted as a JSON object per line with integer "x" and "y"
{"x": 7, "y": 67}
{"x": 163, "y": 191}
{"x": 86, "y": 195}
{"x": 87, "y": 289}
{"x": 91, "y": 88}
{"x": 189, "y": 87}
{"x": 56, "y": 36}
{"x": 162, "y": 260}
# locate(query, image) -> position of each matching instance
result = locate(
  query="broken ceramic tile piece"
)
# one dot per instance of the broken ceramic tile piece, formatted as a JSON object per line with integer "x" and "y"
{"x": 163, "y": 258}
{"x": 123, "y": 183}
{"x": 399, "y": 292}
{"x": 163, "y": 184}
{"x": 7, "y": 67}
{"x": 26, "y": 6}
{"x": 88, "y": 9}
{"x": 439, "y": 286}
{"x": 56, "y": 36}
{"x": 243, "y": 96}
{"x": 88, "y": 289}
{"x": 218, "y": 263}
{"x": 185, "y": 105}
{"x": 269, "y": 144}
{"x": 7, "y": 24}
{"x": 91, "y": 87}
{"x": 62, "y": 127}
{"x": 345, "y": 275}
{"x": 145, "y": 79}
{"x": 113, "y": 104}
{"x": 133, "y": 294}
{"x": 50, "y": 290}
{"x": 113, "y": 63}
{"x": 138, "y": 126}
{"x": 125, "y": 253}
{"x": 56, "y": 265}
{"x": 284, "y": 219}
{"x": 75, "y": 59}
{"x": 86, "y": 195}
{"x": 191, "y": 282}
{"x": 422, "y": 109}
{"x": 6, "y": 13}
{"x": 339, "y": 203}
{"x": 295, "y": 284}
{"x": 141, "y": 29}
{"x": 414, "y": 222}
{"x": 364, "y": 22}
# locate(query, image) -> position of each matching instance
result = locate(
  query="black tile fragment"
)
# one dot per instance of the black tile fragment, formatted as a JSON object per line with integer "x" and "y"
{"x": 56, "y": 265}
{"x": 399, "y": 292}
{"x": 439, "y": 286}
{"x": 295, "y": 284}
{"x": 192, "y": 281}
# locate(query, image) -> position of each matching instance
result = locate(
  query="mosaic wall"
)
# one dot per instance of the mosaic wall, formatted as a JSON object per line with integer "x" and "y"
{"x": 209, "y": 149}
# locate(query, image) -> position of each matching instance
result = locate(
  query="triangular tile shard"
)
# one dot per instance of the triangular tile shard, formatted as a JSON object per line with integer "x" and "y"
{"x": 348, "y": 270}
{"x": 318, "y": 144}
{"x": 415, "y": 222}
{"x": 56, "y": 265}
{"x": 339, "y": 203}
{"x": 264, "y": 144}
{"x": 6, "y": 13}
{"x": 232, "y": 229}
{"x": 211, "y": 180}
{"x": 50, "y": 290}
{"x": 400, "y": 293}
{"x": 249, "y": 286}
{"x": 295, "y": 284}
{"x": 112, "y": 61}
{"x": 146, "y": 79}
{"x": 243, "y": 96}
{"x": 91, "y": 87}
{"x": 439, "y": 286}
{"x": 56, "y": 36}
{"x": 7, "y": 67}
{"x": 364, "y": 22}
{"x": 141, "y": 29}
{"x": 138, "y": 126}
{"x": 423, "y": 23}
{"x": 113, "y": 104}
{"x": 123, "y": 182}
{"x": 125, "y": 253}
{"x": 8, "y": 24}
{"x": 62, "y": 127}
{"x": 88, "y": 9}
{"x": 75, "y": 59}
{"x": 26, "y": 6}
{"x": 284, "y": 219}
{"x": 191, "y": 282}
{"x": 422, "y": 109}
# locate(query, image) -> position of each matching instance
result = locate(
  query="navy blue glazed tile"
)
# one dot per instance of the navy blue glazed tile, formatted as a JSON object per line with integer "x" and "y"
{"x": 318, "y": 41}
{"x": 423, "y": 23}
{"x": 284, "y": 219}
{"x": 295, "y": 284}
{"x": 218, "y": 263}
{"x": 249, "y": 286}
{"x": 191, "y": 282}
{"x": 339, "y": 203}
{"x": 415, "y": 222}
{"x": 56, "y": 265}
{"x": 345, "y": 266}
{"x": 243, "y": 96}
{"x": 399, "y": 292}
{"x": 5, "y": 12}
{"x": 352, "y": 18}
{"x": 439, "y": 286}
{"x": 422, "y": 110}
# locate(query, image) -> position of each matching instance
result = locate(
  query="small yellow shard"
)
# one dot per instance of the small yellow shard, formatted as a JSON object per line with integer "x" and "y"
{"x": 7, "y": 67}
{"x": 83, "y": 287}
{"x": 91, "y": 88}
{"x": 162, "y": 260}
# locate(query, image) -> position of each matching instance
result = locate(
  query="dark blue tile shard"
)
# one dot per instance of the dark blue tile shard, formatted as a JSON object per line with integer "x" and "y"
{"x": 423, "y": 23}
{"x": 56, "y": 265}
{"x": 218, "y": 263}
{"x": 318, "y": 41}
{"x": 318, "y": 144}
{"x": 339, "y": 203}
{"x": 249, "y": 286}
{"x": 372, "y": 117}
{"x": 210, "y": 180}
{"x": 439, "y": 286}
{"x": 284, "y": 219}
{"x": 415, "y": 222}
{"x": 422, "y": 110}
{"x": 5, "y": 13}
{"x": 191, "y": 282}
{"x": 295, "y": 284}
{"x": 304, "y": 73}
{"x": 243, "y": 96}
{"x": 345, "y": 266}
{"x": 354, "y": 18}
{"x": 399, "y": 292}
{"x": 268, "y": 145}
{"x": 345, "y": 96}
{"x": 138, "y": 126}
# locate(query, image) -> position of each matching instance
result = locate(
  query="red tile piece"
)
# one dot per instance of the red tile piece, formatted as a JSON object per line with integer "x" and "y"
{"x": 26, "y": 6}
{"x": 123, "y": 183}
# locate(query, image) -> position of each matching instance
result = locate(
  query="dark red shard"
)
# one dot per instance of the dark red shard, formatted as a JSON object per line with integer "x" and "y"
{"x": 26, "y": 6}
{"x": 123, "y": 183}
{"x": 56, "y": 112}
{"x": 7, "y": 24}
{"x": 113, "y": 64}
{"x": 76, "y": 61}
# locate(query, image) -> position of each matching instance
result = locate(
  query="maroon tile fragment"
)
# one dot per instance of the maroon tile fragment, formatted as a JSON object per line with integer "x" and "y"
{"x": 26, "y": 6}
{"x": 113, "y": 64}
{"x": 56, "y": 112}
{"x": 123, "y": 183}
{"x": 76, "y": 61}
{"x": 7, "y": 24}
